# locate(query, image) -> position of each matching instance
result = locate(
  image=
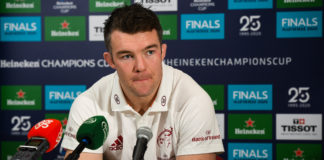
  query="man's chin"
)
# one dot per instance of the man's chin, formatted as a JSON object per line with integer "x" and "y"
{"x": 143, "y": 93}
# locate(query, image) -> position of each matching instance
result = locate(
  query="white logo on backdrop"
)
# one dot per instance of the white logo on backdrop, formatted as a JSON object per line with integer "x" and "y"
{"x": 159, "y": 5}
{"x": 96, "y": 27}
{"x": 21, "y": 125}
{"x": 299, "y": 126}
{"x": 299, "y": 97}
{"x": 221, "y": 124}
{"x": 251, "y": 25}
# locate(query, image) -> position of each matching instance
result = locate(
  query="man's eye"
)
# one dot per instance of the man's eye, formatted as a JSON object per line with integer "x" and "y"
{"x": 126, "y": 57}
{"x": 150, "y": 52}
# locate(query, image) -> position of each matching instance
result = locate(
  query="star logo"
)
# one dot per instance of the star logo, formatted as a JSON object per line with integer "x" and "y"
{"x": 64, "y": 122}
{"x": 249, "y": 122}
{"x": 65, "y": 25}
{"x": 299, "y": 153}
{"x": 21, "y": 93}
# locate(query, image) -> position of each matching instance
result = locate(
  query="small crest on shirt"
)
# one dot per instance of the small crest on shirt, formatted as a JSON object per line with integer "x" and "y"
{"x": 165, "y": 138}
{"x": 163, "y": 100}
{"x": 116, "y": 99}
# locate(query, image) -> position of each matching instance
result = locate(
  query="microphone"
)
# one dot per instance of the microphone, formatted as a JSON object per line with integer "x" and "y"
{"x": 91, "y": 134}
{"x": 143, "y": 134}
{"x": 43, "y": 137}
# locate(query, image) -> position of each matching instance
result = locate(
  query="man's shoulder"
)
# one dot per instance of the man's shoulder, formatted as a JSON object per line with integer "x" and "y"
{"x": 100, "y": 87}
{"x": 177, "y": 75}
{"x": 185, "y": 88}
{"x": 184, "y": 82}
{"x": 103, "y": 81}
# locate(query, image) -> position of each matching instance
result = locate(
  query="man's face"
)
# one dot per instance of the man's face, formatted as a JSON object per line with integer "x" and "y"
{"x": 138, "y": 61}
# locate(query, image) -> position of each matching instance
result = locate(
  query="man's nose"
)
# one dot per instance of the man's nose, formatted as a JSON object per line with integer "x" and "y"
{"x": 140, "y": 64}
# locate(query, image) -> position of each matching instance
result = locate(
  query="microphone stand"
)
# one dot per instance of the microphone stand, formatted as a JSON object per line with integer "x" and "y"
{"x": 139, "y": 149}
{"x": 76, "y": 153}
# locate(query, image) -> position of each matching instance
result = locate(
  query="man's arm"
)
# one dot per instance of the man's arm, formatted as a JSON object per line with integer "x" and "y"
{"x": 208, "y": 156}
{"x": 86, "y": 156}
{"x": 198, "y": 119}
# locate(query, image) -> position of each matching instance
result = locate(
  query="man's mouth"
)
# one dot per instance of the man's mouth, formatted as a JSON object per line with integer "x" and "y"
{"x": 141, "y": 79}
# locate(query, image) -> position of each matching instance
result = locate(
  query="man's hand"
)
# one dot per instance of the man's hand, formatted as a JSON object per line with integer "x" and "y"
{"x": 208, "y": 156}
{"x": 86, "y": 156}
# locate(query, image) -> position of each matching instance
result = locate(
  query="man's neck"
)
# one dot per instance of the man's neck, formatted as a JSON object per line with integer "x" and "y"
{"x": 140, "y": 104}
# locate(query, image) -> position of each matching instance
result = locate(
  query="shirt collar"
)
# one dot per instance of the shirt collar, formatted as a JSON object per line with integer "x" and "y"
{"x": 117, "y": 98}
{"x": 162, "y": 99}
{"x": 160, "y": 104}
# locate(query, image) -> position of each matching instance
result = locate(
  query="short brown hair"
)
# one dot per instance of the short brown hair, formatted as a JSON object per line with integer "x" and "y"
{"x": 131, "y": 19}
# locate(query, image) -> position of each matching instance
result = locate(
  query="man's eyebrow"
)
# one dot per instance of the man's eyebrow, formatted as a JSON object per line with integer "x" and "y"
{"x": 123, "y": 52}
{"x": 146, "y": 48}
{"x": 151, "y": 46}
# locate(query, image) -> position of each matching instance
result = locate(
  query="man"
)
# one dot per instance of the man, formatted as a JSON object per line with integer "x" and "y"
{"x": 145, "y": 92}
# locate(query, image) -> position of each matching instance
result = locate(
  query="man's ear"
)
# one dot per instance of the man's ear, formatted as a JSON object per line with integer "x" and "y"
{"x": 164, "y": 48}
{"x": 109, "y": 59}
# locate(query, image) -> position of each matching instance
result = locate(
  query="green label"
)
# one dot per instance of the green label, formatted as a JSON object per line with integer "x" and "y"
{"x": 20, "y": 6}
{"x": 106, "y": 5}
{"x": 250, "y": 126}
{"x": 65, "y": 28}
{"x": 63, "y": 117}
{"x": 299, "y": 151}
{"x": 8, "y": 149}
{"x": 169, "y": 26}
{"x": 299, "y": 3}
{"x": 216, "y": 93}
{"x": 21, "y": 97}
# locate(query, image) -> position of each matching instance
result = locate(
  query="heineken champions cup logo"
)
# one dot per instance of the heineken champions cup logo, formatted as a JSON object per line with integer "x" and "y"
{"x": 21, "y": 97}
{"x": 249, "y": 129}
{"x": 250, "y": 126}
{"x": 68, "y": 28}
{"x": 65, "y": 31}
{"x": 300, "y": 151}
{"x": 20, "y": 6}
